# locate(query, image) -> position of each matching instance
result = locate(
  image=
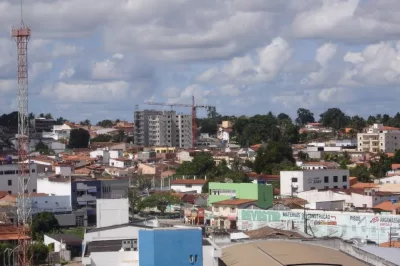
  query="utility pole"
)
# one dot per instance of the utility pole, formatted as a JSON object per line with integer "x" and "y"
{"x": 305, "y": 219}
{"x": 390, "y": 237}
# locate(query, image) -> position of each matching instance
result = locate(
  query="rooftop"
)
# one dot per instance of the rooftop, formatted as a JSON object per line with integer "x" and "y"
{"x": 188, "y": 182}
{"x": 233, "y": 202}
{"x": 278, "y": 253}
{"x": 67, "y": 238}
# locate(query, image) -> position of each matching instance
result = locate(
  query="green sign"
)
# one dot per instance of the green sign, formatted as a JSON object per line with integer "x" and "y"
{"x": 260, "y": 216}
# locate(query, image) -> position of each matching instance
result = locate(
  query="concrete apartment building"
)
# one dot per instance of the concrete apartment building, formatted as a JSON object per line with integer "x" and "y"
{"x": 41, "y": 124}
{"x": 293, "y": 182}
{"x": 162, "y": 128}
{"x": 379, "y": 138}
{"x": 9, "y": 177}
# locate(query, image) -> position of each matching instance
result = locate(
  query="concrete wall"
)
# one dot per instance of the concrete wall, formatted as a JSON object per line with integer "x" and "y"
{"x": 260, "y": 192}
{"x": 126, "y": 232}
{"x": 9, "y": 178}
{"x": 183, "y": 188}
{"x": 55, "y": 188}
{"x": 312, "y": 179}
{"x": 112, "y": 212}
{"x": 115, "y": 258}
{"x": 364, "y": 256}
{"x": 166, "y": 247}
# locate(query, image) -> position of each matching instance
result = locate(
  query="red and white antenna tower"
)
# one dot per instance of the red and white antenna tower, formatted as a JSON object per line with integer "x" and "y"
{"x": 21, "y": 35}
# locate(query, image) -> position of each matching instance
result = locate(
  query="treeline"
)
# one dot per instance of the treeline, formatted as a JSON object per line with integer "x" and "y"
{"x": 249, "y": 130}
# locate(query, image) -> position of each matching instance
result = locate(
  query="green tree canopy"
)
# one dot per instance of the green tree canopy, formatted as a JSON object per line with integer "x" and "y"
{"x": 102, "y": 138}
{"x": 304, "y": 116}
{"x": 39, "y": 253}
{"x": 159, "y": 201}
{"x": 105, "y": 123}
{"x": 361, "y": 172}
{"x": 334, "y": 118}
{"x": 275, "y": 155}
{"x": 42, "y": 223}
{"x": 78, "y": 138}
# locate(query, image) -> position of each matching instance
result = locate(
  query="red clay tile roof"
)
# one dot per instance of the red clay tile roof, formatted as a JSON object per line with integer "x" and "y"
{"x": 254, "y": 175}
{"x": 395, "y": 166}
{"x": 233, "y": 202}
{"x": 364, "y": 185}
{"x": 188, "y": 182}
{"x": 390, "y": 128}
{"x": 393, "y": 244}
{"x": 387, "y": 206}
{"x": 10, "y": 232}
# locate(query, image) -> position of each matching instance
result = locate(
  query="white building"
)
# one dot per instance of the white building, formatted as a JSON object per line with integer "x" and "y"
{"x": 188, "y": 185}
{"x": 379, "y": 138}
{"x": 388, "y": 180}
{"x": 367, "y": 198}
{"x": 9, "y": 178}
{"x": 112, "y": 212}
{"x": 59, "y": 186}
{"x": 106, "y": 154}
{"x": 59, "y": 132}
{"x": 293, "y": 182}
{"x": 121, "y": 162}
{"x": 54, "y": 204}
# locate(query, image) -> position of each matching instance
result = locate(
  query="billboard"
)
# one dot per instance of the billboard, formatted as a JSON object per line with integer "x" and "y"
{"x": 346, "y": 225}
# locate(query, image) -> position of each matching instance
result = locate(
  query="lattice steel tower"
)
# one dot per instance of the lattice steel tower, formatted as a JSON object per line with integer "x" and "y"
{"x": 21, "y": 35}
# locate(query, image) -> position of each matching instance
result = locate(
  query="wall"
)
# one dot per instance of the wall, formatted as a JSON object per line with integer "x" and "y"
{"x": 327, "y": 205}
{"x": 183, "y": 188}
{"x": 172, "y": 246}
{"x": 260, "y": 192}
{"x": 123, "y": 232}
{"x": 9, "y": 172}
{"x": 51, "y": 204}
{"x": 112, "y": 212}
{"x": 344, "y": 225}
{"x": 118, "y": 258}
{"x": 312, "y": 179}
{"x": 57, "y": 245}
{"x": 55, "y": 188}
{"x": 63, "y": 170}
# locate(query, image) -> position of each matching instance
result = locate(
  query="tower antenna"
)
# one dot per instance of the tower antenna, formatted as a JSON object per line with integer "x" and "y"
{"x": 21, "y": 35}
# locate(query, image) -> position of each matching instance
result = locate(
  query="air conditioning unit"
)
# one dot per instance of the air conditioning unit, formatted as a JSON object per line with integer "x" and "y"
{"x": 130, "y": 245}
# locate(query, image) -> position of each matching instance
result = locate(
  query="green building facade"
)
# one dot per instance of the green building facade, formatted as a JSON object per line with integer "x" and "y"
{"x": 262, "y": 193}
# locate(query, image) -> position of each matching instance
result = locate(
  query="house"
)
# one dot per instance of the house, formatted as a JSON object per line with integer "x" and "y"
{"x": 389, "y": 206}
{"x": 59, "y": 132}
{"x": 70, "y": 245}
{"x": 10, "y": 234}
{"x": 225, "y": 212}
{"x": 188, "y": 185}
{"x": 261, "y": 193}
{"x": 121, "y": 162}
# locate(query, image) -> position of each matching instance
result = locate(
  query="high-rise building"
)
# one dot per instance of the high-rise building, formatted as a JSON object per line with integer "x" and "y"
{"x": 379, "y": 138}
{"x": 162, "y": 128}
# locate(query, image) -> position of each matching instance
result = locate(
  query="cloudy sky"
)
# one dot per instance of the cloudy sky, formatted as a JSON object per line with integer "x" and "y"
{"x": 97, "y": 59}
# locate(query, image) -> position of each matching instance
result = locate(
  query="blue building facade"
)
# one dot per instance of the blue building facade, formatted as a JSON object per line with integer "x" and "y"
{"x": 171, "y": 247}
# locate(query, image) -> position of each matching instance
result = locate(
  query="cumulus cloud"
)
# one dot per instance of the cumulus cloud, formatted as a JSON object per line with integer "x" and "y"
{"x": 87, "y": 92}
{"x": 262, "y": 67}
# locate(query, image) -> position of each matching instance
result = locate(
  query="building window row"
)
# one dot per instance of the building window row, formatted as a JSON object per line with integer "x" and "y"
{"x": 223, "y": 192}
{"x": 15, "y": 172}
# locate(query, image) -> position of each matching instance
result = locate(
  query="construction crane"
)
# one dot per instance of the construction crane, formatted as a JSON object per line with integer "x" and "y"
{"x": 194, "y": 107}
{"x": 21, "y": 34}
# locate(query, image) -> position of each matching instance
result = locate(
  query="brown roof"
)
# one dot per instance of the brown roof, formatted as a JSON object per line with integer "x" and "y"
{"x": 188, "y": 182}
{"x": 364, "y": 185}
{"x": 269, "y": 232}
{"x": 234, "y": 202}
{"x": 395, "y": 166}
{"x": 283, "y": 252}
{"x": 387, "y": 206}
{"x": 290, "y": 201}
{"x": 390, "y": 128}
{"x": 10, "y": 232}
{"x": 393, "y": 244}
{"x": 263, "y": 176}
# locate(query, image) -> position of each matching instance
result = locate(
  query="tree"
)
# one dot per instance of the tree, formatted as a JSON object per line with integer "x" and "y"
{"x": 102, "y": 138}
{"x": 396, "y": 157}
{"x": 119, "y": 137}
{"x": 379, "y": 167}
{"x": 78, "y": 138}
{"x": 303, "y": 156}
{"x": 304, "y": 116}
{"x": 42, "y": 223}
{"x": 202, "y": 164}
{"x": 208, "y": 125}
{"x": 334, "y": 118}
{"x": 274, "y": 155}
{"x": 60, "y": 121}
{"x": 283, "y": 116}
{"x": 357, "y": 123}
{"x": 133, "y": 199}
{"x": 48, "y": 116}
{"x": 41, "y": 146}
{"x": 159, "y": 201}
{"x": 361, "y": 172}
{"x": 39, "y": 253}
{"x": 106, "y": 123}
{"x": 86, "y": 122}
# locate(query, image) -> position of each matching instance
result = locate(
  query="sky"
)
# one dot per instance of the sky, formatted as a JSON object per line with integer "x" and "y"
{"x": 97, "y": 59}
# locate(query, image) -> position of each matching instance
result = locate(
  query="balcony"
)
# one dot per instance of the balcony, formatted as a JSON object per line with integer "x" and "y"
{"x": 86, "y": 198}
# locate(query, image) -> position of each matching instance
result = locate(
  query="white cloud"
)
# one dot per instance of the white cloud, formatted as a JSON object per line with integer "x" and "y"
{"x": 230, "y": 90}
{"x": 246, "y": 70}
{"x": 177, "y": 95}
{"x": 38, "y": 68}
{"x": 67, "y": 50}
{"x": 8, "y": 86}
{"x": 87, "y": 92}
{"x": 67, "y": 73}
{"x": 325, "y": 53}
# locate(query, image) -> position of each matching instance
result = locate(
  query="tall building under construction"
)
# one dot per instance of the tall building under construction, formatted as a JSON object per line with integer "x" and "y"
{"x": 163, "y": 128}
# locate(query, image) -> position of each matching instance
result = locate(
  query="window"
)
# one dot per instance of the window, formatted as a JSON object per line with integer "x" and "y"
{"x": 10, "y": 182}
{"x": 326, "y": 179}
{"x": 345, "y": 187}
{"x": 335, "y": 187}
{"x": 312, "y": 188}
{"x": 294, "y": 179}
{"x": 188, "y": 185}
{"x": 233, "y": 210}
{"x": 26, "y": 192}
{"x": 9, "y": 192}
{"x": 1, "y": 172}
{"x": 326, "y": 187}
{"x": 33, "y": 170}
{"x": 335, "y": 179}
{"x": 34, "y": 190}
{"x": 25, "y": 181}
{"x": 345, "y": 178}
